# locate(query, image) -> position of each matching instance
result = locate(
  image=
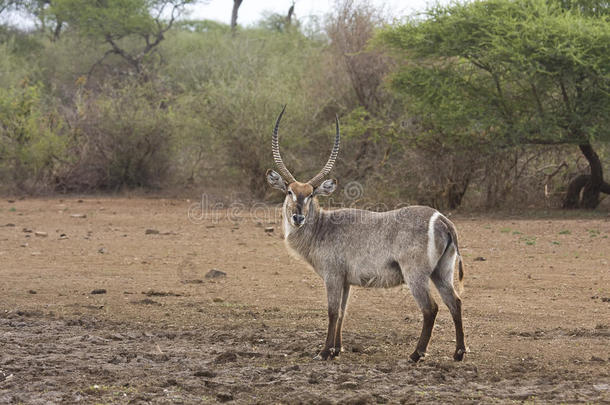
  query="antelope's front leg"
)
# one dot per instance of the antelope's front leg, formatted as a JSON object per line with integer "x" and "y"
{"x": 338, "y": 333}
{"x": 334, "y": 289}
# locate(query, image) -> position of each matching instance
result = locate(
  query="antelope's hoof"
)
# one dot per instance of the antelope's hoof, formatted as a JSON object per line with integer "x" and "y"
{"x": 337, "y": 351}
{"x": 326, "y": 354}
{"x": 417, "y": 356}
{"x": 459, "y": 354}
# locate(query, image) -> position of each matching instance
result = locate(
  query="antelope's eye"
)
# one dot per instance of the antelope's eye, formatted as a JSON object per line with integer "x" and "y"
{"x": 289, "y": 192}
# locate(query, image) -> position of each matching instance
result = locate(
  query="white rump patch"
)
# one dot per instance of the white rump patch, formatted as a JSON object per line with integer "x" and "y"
{"x": 432, "y": 253}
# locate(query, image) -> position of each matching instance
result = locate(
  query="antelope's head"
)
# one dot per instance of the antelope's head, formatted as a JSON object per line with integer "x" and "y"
{"x": 299, "y": 196}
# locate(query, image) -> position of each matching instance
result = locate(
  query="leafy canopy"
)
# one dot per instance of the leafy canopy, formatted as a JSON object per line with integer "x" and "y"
{"x": 114, "y": 18}
{"x": 508, "y": 71}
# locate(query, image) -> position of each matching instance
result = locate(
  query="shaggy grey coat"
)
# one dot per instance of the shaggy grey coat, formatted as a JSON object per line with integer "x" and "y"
{"x": 351, "y": 247}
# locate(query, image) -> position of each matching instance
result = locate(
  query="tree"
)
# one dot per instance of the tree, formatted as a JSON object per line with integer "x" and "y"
{"x": 513, "y": 72}
{"x": 112, "y": 21}
{"x": 39, "y": 11}
{"x": 236, "y": 5}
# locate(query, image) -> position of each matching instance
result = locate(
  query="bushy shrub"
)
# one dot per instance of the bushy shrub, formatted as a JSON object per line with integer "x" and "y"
{"x": 33, "y": 145}
{"x": 124, "y": 137}
{"x": 74, "y": 117}
{"x": 234, "y": 87}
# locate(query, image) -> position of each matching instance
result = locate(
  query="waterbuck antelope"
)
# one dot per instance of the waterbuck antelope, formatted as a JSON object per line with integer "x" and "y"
{"x": 347, "y": 247}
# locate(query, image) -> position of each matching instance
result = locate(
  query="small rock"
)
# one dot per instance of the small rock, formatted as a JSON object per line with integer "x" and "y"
{"x": 24, "y": 244}
{"x": 357, "y": 348}
{"x": 313, "y": 379}
{"x": 115, "y": 336}
{"x": 79, "y": 215}
{"x": 151, "y": 232}
{"x": 226, "y": 357}
{"x": 157, "y": 357}
{"x": 99, "y": 291}
{"x": 269, "y": 229}
{"x": 5, "y": 377}
{"x": 479, "y": 259}
{"x": 362, "y": 399}
{"x": 224, "y": 396}
{"x": 26, "y": 230}
{"x": 380, "y": 399}
{"x": 597, "y": 359}
{"x": 146, "y": 301}
{"x": 10, "y": 225}
{"x": 348, "y": 385}
{"x": 215, "y": 273}
{"x": 218, "y": 299}
{"x": 171, "y": 381}
{"x": 195, "y": 281}
{"x": 41, "y": 234}
{"x": 153, "y": 293}
{"x": 102, "y": 250}
{"x": 63, "y": 236}
{"x": 205, "y": 373}
{"x": 36, "y": 253}
{"x": 32, "y": 291}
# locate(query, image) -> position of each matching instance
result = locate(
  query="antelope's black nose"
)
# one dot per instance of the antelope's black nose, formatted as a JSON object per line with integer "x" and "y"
{"x": 298, "y": 219}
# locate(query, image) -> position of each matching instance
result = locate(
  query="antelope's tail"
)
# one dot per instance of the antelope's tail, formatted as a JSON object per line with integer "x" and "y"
{"x": 454, "y": 240}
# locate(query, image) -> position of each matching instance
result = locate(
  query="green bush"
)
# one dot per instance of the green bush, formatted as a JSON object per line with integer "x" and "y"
{"x": 33, "y": 145}
{"x": 124, "y": 135}
{"x": 232, "y": 89}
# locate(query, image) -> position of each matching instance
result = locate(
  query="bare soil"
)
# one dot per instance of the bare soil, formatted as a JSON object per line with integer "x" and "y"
{"x": 106, "y": 300}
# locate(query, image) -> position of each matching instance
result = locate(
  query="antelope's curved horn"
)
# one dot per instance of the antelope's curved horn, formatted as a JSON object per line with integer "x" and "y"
{"x": 275, "y": 147}
{"x": 317, "y": 180}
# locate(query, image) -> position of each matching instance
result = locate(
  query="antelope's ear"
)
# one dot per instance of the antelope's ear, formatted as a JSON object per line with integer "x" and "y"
{"x": 275, "y": 180}
{"x": 326, "y": 188}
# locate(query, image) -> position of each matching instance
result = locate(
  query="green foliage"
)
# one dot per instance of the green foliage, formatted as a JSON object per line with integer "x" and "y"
{"x": 235, "y": 92}
{"x": 278, "y": 22}
{"x": 124, "y": 98}
{"x": 31, "y": 142}
{"x": 126, "y": 132}
{"x": 508, "y": 71}
{"x": 203, "y": 26}
{"x": 114, "y": 18}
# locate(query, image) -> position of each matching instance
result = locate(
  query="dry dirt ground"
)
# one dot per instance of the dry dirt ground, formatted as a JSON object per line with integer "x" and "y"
{"x": 536, "y": 307}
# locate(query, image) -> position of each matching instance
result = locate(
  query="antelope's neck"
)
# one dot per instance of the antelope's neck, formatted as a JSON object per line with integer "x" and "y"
{"x": 299, "y": 240}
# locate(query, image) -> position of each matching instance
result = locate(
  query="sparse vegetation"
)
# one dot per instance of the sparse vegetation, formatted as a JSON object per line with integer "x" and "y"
{"x": 149, "y": 101}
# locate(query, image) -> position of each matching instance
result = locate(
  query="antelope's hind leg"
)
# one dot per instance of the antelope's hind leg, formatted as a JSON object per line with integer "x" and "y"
{"x": 419, "y": 285}
{"x": 443, "y": 280}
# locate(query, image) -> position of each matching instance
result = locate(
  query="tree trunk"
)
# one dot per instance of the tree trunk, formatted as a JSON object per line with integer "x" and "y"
{"x": 289, "y": 16}
{"x": 456, "y": 192}
{"x": 236, "y": 4}
{"x": 591, "y": 185}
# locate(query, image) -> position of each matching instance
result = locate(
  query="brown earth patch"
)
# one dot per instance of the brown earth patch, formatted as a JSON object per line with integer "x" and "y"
{"x": 536, "y": 321}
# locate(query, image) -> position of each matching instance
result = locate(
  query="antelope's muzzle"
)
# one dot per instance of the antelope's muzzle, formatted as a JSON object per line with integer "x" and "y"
{"x": 298, "y": 219}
